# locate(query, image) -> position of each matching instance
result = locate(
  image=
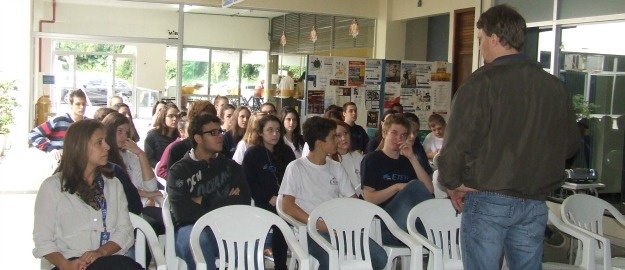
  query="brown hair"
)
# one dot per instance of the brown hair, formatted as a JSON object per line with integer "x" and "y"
{"x": 336, "y": 156}
{"x": 160, "y": 125}
{"x": 237, "y": 132}
{"x": 398, "y": 119}
{"x": 75, "y": 154}
{"x": 200, "y": 106}
{"x": 111, "y": 122}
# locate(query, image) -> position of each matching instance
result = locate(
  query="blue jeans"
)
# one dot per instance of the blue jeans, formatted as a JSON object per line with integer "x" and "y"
{"x": 377, "y": 253}
{"x": 207, "y": 242}
{"x": 398, "y": 208}
{"x": 493, "y": 223}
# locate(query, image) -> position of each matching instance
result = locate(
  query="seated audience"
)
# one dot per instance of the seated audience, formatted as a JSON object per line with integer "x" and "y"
{"x": 48, "y": 136}
{"x": 313, "y": 179}
{"x": 125, "y": 110}
{"x": 413, "y": 139}
{"x": 374, "y": 143}
{"x": 225, "y": 114}
{"x": 350, "y": 160}
{"x": 360, "y": 138}
{"x": 248, "y": 138}
{"x": 291, "y": 131}
{"x": 238, "y": 126}
{"x": 161, "y": 167}
{"x": 433, "y": 142}
{"x": 200, "y": 182}
{"x": 181, "y": 148}
{"x": 81, "y": 213}
{"x": 393, "y": 178}
{"x": 265, "y": 161}
{"x": 164, "y": 133}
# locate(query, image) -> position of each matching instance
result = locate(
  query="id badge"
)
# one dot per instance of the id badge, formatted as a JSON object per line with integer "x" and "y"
{"x": 104, "y": 237}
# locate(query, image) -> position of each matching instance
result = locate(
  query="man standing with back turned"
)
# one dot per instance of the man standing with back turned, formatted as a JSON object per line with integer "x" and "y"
{"x": 497, "y": 162}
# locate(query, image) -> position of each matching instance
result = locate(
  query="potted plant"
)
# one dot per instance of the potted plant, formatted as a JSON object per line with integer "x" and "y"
{"x": 8, "y": 102}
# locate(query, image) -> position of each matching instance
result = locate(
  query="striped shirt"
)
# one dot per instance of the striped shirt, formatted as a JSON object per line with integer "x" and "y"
{"x": 49, "y": 135}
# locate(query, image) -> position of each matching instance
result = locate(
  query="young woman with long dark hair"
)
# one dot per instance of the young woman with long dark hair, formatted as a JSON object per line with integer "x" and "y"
{"x": 291, "y": 131}
{"x": 266, "y": 161}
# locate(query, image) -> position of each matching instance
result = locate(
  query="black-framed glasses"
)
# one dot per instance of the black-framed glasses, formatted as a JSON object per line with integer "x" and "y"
{"x": 215, "y": 132}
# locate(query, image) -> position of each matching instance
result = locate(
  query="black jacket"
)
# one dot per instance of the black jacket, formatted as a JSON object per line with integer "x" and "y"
{"x": 212, "y": 181}
{"x": 510, "y": 130}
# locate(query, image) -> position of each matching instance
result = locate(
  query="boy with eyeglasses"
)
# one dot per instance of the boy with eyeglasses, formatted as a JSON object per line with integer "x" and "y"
{"x": 203, "y": 180}
{"x": 393, "y": 178}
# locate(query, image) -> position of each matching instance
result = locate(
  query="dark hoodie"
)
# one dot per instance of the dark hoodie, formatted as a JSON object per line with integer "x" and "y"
{"x": 212, "y": 181}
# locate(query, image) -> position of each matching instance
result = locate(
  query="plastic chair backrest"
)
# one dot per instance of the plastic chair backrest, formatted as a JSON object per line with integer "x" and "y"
{"x": 585, "y": 259}
{"x": 349, "y": 222}
{"x": 173, "y": 262}
{"x": 240, "y": 231}
{"x": 442, "y": 226}
{"x": 299, "y": 227}
{"x": 146, "y": 232}
{"x": 440, "y": 192}
{"x": 586, "y": 212}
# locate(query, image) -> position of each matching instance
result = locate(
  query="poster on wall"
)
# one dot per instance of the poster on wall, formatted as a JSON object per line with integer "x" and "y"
{"x": 358, "y": 95}
{"x": 343, "y": 95}
{"x": 356, "y": 73}
{"x": 391, "y": 94}
{"x": 372, "y": 119}
{"x": 372, "y": 97}
{"x": 315, "y": 102}
{"x": 422, "y": 88}
{"x": 373, "y": 71}
{"x": 340, "y": 69}
{"x": 393, "y": 72}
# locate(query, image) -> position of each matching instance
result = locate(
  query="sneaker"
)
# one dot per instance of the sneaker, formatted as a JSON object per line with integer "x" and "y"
{"x": 268, "y": 254}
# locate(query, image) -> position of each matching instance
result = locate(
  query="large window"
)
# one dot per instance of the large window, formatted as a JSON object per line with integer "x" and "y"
{"x": 590, "y": 59}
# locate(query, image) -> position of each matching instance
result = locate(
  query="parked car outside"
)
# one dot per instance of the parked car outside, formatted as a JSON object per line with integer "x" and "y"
{"x": 96, "y": 91}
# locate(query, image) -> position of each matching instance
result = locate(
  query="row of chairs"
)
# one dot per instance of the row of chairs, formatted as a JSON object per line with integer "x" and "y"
{"x": 245, "y": 227}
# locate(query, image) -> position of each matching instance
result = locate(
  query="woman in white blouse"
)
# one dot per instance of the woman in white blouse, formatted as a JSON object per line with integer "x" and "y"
{"x": 81, "y": 213}
{"x": 350, "y": 160}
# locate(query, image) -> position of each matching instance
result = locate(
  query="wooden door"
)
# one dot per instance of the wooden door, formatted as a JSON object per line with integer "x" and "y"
{"x": 464, "y": 27}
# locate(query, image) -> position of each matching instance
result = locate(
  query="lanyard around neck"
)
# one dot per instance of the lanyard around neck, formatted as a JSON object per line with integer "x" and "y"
{"x": 101, "y": 201}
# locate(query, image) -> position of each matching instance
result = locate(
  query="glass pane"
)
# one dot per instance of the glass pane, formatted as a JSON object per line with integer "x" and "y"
{"x": 582, "y": 8}
{"x": 195, "y": 71}
{"x": 123, "y": 84}
{"x": 171, "y": 70}
{"x": 546, "y": 44}
{"x": 593, "y": 65}
{"x": 531, "y": 10}
{"x": 253, "y": 72}
{"x": 224, "y": 73}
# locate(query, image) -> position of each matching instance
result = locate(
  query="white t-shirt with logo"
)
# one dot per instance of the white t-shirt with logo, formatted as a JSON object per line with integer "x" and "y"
{"x": 313, "y": 184}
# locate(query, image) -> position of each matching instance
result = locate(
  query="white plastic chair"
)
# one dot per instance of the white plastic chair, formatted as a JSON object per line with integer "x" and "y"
{"x": 440, "y": 192}
{"x": 584, "y": 258}
{"x": 586, "y": 212}
{"x": 173, "y": 261}
{"x": 350, "y": 219}
{"x": 299, "y": 229}
{"x": 240, "y": 231}
{"x": 145, "y": 232}
{"x": 442, "y": 226}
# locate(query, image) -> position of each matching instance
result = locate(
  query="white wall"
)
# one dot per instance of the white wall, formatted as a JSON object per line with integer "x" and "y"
{"x": 110, "y": 21}
{"x": 226, "y": 32}
{"x": 407, "y": 9}
{"x": 15, "y": 52}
